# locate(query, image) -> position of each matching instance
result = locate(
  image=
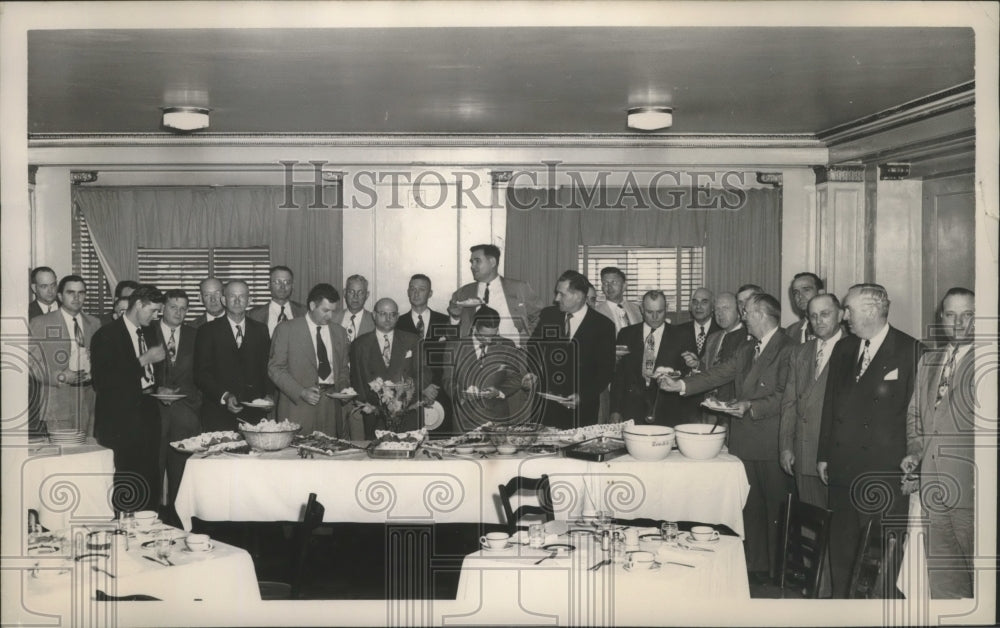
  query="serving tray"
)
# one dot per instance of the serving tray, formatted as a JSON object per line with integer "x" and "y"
{"x": 596, "y": 449}
{"x": 392, "y": 454}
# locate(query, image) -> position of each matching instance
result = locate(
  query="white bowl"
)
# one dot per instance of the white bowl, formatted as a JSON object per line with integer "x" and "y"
{"x": 648, "y": 442}
{"x": 694, "y": 440}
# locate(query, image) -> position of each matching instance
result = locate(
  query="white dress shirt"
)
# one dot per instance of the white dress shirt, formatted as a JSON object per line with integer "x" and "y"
{"x": 426, "y": 314}
{"x": 827, "y": 346}
{"x": 273, "y": 312}
{"x": 576, "y": 319}
{"x": 324, "y": 333}
{"x": 498, "y": 301}
{"x": 51, "y": 307}
{"x": 874, "y": 344}
{"x": 79, "y": 357}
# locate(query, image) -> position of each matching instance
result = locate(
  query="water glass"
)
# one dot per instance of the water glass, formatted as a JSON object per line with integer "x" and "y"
{"x": 605, "y": 518}
{"x": 127, "y": 522}
{"x": 536, "y": 535}
{"x": 164, "y": 545}
{"x": 669, "y": 531}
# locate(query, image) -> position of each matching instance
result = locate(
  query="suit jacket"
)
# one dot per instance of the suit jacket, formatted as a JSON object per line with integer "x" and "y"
{"x": 522, "y": 303}
{"x": 794, "y": 331}
{"x": 632, "y": 311}
{"x": 36, "y": 310}
{"x": 632, "y": 397}
{"x": 259, "y": 313}
{"x": 438, "y": 325}
{"x": 687, "y": 336}
{"x": 802, "y": 406}
{"x": 220, "y": 367}
{"x": 942, "y": 437}
{"x": 50, "y": 351}
{"x": 200, "y": 320}
{"x": 762, "y": 383}
{"x": 719, "y": 347}
{"x": 582, "y": 365}
{"x": 365, "y": 321}
{"x": 864, "y": 422}
{"x": 500, "y": 369}
{"x": 293, "y": 368}
{"x": 124, "y": 416}
{"x": 180, "y": 373}
{"x": 404, "y": 362}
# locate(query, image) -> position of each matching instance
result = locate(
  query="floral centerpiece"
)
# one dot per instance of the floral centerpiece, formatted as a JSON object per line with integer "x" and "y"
{"x": 394, "y": 399}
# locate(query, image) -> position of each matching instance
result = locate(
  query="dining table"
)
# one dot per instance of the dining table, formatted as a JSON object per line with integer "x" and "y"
{"x": 67, "y": 483}
{"x": 356, "y": 488}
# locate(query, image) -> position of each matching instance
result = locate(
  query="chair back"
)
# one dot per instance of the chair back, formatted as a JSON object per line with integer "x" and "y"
{"x": 806, "y": 538}
{"x": 876, "y": 564}
{"x": 542, "y": 490}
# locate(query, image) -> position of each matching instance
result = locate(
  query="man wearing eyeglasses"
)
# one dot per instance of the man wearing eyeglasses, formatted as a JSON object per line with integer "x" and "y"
{"x": 354, "y": 318}
{"x": 280, "y": 308}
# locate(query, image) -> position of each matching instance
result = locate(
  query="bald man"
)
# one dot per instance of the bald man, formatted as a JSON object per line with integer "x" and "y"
{"x": 693, "y": 334}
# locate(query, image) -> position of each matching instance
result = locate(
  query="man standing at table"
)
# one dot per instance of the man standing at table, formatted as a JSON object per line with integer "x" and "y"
{"x": 759, "y": 371}
{"x": 210, "y": 290}
{"x": 574, "y": 349}
{"x": 514, "y": 300}
{"x": 621, "y": 311}
{"x": 940, "y": 443}
{"x": 433, "y": 329}
{"x": 693, "y": 334}
{"x": 280, "y": 308}
{"x": 354, "y": 318}
{"x": 127, "y": 420}
{"x": 392, "y": 355}
{"x": 863, "y": 432}
{"x": 175, "y": 375}
{"x": 651, "y": 344}
{"x": 308, "y": 358}
{"x": 61, "y": 342}
{"x": 230, "y": 363}
{"x": 804, "y": 287}
{"x": 44, "y": 287}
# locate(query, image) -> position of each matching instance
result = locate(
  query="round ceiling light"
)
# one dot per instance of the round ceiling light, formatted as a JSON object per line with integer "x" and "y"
{"x": 650, "y": 118}
{"x": 185, "y": 119}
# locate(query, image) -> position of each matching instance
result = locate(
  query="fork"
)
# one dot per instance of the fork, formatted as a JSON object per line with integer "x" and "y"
{"x": 604, "y": 562}
{"x": 545, "y": 558}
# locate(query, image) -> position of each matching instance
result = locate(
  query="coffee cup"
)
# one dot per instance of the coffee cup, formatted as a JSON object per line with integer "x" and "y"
{"x": 494, "y": 540}
{"x": 631, "y": 537}
{"x": 197, "y": 542}
{"x": 704, "y": 533}
{"x": 640, "y": 560}
{"x": 145, "y": 518}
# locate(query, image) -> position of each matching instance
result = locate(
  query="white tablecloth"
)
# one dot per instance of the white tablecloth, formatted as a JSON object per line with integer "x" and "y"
{"x": 355, "y": 488}
{"x": 68, "y": 484}
{"x": 511, "y": 588}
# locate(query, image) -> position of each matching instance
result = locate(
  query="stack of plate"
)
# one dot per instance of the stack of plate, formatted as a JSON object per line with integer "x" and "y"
{"x": 67, "y": 437}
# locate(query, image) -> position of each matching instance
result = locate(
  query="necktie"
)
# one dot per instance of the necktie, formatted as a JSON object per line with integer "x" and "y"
{"x": 386, "y": 350}
{"x": 172, "y": 346}
{"x": 239, "y": 336}
{"x": 701, "y": 338}
{"x": 142, "y": 349}
{"x": 482, "y": 350}
{"x": 946, "y": 374}
{"x": 486, "y": 294}
{"x": 863, "y": 361}
{"x": 756, "y": 351}
{"x": 323, "y": 370}
{"x": 806, "y": 334}
{"x": 566, "y": 328}
{"x": 352, "y": 330}
{"x": 819, "y": 358}
{"x": 78, "y": 332}
{"x": 420, "y": 325}
{"x": 281, "y": 315}
{"x": 649, "y": 356}
{"x": 622, "y": 316}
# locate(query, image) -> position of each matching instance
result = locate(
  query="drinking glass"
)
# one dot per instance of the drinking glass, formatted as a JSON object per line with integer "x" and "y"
{"x": 536, "y": 535}
{"x": 669, "y": 531}
{"x": 128, "y": 523}
{"x": 164, "y": 545}
{"x": 605, "y": 518}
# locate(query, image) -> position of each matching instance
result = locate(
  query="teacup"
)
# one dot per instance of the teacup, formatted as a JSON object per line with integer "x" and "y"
{"x": 640, "y": 560}
{"x": 631, "y": 537}
{"x": 197, "y": 542}
{"x": 704, "y": 533}
{"x": 494, "y": 540}
{"x": 145, "y": 518}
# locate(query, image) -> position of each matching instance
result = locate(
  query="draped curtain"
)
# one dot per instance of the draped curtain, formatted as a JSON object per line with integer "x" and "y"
{"x": 124, "y": 219}
{"x": 545, "y": 227}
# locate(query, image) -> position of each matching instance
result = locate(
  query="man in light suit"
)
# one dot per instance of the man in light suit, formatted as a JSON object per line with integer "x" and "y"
{"x": 863, "y": 432}
{"x": 61, "y": 342}
{"x": 940, "y": 444}
{"x": 515, "y": 300}
{"x": 175, "y": 375}
{"x": 230, "y": 363}
{"x": 621, "y": 312}
{"x": 308, "y": 357}
{"x": 210, "y": 290}
{"x": 804, "y": 287}
{"x": 391, "y": 355}
{"x": 573, "y": 348}
{"x": 354, "y": 318}
{"x": 280, "y": 308}
{"x": 759, "y": 372}
{"x": 46, "y": 291}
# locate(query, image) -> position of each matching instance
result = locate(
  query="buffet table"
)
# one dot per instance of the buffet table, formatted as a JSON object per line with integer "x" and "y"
{"x": 68, "y": 483}
{"x": 274, "y": 486}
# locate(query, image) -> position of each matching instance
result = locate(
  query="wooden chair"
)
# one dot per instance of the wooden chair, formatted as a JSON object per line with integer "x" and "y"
{"x": 542, "y": 490}
{"x": 876, "y": 565}
{"x": 805, "y": 541}
{"x": 311, "y": 519}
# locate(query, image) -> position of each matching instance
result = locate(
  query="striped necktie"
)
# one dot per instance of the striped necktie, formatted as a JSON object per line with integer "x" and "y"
{"x": 386, "y": 350}
{"x": 946, "y": 374}
{"x": 864, "y": 360}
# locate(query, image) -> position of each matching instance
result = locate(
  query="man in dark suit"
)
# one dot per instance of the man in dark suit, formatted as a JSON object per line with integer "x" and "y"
{"x": 863, "y": 432}
{"x": 123, "y": 289}
{"x": 573, "y": 348}
{"x": 651, "y": 344}
{"x": 481, "y": 373}
{"x": 127, "y": 420}
{"x": 392, "y": 355}
{"x": 280, "y": 308}
{"x": 44, "y": 287}
{"x": 175, "y": 375}
{"x": 354, "y": 318}
{"x": 723, "y": 344}
{"x": 308, "y": 357}
{"x": 230, "y": 363}
{"x": 433, "y": 329}
{"x": 693, "y": 334}
{"x": 759, "y": 371}
{"x": 210, "y": 290}
{"x": 804, "y": 287}
{"x": 940, "y": 443}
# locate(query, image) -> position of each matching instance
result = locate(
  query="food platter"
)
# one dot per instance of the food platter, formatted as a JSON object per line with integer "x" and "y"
{"x": 210, "y": 442}
{"x": 596, "y": 449}
{"x": 320, "y": 443}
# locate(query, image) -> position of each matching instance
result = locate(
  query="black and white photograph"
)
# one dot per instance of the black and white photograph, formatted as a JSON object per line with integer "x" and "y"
{"x": 499, "y": 313}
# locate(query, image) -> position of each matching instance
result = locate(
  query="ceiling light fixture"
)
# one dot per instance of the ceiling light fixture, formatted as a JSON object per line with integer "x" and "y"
{"x": 650, "y": 118}
{"x": 185, "y": 119}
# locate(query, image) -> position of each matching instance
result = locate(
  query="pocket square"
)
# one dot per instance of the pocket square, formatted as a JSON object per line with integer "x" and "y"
{"x": 891, "y": 376}
{"x": 409, "y": 354}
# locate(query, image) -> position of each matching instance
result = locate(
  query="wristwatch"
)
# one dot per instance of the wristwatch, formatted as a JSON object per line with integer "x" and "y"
{"x": 61, "y": 377}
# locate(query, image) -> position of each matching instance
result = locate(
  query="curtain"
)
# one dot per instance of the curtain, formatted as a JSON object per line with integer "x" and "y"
{"x": 742, "y": 245}
{"x": 123, "y": 219}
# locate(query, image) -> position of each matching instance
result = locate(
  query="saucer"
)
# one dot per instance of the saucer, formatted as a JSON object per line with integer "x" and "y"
{"x": 561, "y": 549}
{"x": 691, "y": 539}
{"x": 489, "y": 549}
{"x": 211, "y": 546}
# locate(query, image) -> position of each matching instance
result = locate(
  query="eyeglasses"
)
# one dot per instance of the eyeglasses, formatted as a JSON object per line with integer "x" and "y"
{"x": 387, "y": 314}
{"x": 355, "y": 293}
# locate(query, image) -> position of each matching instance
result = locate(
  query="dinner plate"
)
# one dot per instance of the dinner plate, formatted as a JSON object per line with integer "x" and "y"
{"x": 551, "y": 397}
{"x": 718, "y": 406}
{"x": 491, "y": 550}
{"x": 561, "y": 549}
{"x": 340, "y": 395}
{"x": 167, "y": 397}
{"x": 259, "y": 404}
{"x": 655, "y": 567}
{"x": 691, "y": 539}
{"x": 149, "y": 544}
{"x": 652, "y": 536}
{"x": 469, "y": 302}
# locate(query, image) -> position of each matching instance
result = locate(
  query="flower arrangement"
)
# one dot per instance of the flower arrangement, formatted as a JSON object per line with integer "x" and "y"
{"x": 394, "y": 400}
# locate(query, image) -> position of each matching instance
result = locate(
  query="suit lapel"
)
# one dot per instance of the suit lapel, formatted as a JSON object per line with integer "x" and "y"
{"x": 880, "y": 363}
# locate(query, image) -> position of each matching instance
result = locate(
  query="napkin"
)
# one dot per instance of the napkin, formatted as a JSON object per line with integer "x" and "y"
{"x": 678, "y": 555}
